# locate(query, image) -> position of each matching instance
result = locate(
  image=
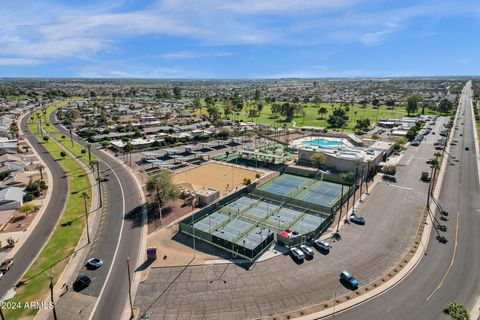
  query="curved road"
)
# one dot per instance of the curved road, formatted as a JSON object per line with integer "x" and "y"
{"x": 40, "y": 234}
{"x": 118, "y": 236}
{"x": 451, "y": 271}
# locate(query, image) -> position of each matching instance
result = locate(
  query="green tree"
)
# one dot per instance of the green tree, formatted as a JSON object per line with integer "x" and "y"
{"x": 162, "y": 185}
{"x": 317, "y": 159}
{"x": 177, "y": 93}
{"x": 412, "y": 103}
{"x": 456, "y": 311}
{"x": 322, "y": 111}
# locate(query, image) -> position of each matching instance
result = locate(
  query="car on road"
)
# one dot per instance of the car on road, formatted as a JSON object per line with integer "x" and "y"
{"x": 349, "y": 279}
{"x": 1, "y": 275}
{"x": 81, "y": 282}
{"x": 6, "y": 265}
{"x": 297, "y": 254}
{"x": 467, "y": 148}
{"x": 94, "y": 263}
{"x": 322, "y": 245}
{"x": 307, "y": 250}
{"x": 355, "y": 218}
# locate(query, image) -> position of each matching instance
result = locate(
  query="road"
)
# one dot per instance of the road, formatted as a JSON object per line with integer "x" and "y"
{"x": 118, "y": 237}
{"x": 40, "y": 234}
{"x": 451, "y": 271}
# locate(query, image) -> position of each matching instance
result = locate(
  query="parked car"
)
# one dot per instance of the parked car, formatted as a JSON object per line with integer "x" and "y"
{"x": 81, "y": 282}
{"x": 307, "y": 250}
{"x": 349, "y": 279}
{"x": 322, "y": 245}
{"x": 94, "y": 263}
{"x": 297, "y": 254}
{"x": 467, "y": 148}
{"x": 1, "y": 275}
{"x": 6, "y": 265}
{"x": 357, "y": 219}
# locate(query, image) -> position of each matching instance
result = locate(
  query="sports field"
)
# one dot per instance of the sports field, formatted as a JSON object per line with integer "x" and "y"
{"x": 222, "y": 177}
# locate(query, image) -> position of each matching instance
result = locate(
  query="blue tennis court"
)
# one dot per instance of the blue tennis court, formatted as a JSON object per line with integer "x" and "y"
{"x": 233, "y": 230}
{"x": 284, "y": 217}
{"x": 210, "y": 222}
{"x": 323, "y": 192}
{"x": 255, "y": 237}
{"x": 263, "y": 208}
{"x": 284, "y": 184}
{"x": 307, "y": 223}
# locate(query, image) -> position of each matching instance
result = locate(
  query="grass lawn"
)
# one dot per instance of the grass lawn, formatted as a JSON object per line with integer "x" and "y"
{"x": 56, "y": 252}
{"x": 312, "y": 118}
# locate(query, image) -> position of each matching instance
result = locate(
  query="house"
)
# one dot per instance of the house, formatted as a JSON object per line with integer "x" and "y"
{"x": 11, "y": 198}
{"x": 16, "y": 179}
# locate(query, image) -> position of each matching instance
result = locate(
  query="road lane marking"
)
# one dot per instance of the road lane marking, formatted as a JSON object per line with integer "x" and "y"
{"x": 451, "y": 262}
{"x": 99, "y": 298}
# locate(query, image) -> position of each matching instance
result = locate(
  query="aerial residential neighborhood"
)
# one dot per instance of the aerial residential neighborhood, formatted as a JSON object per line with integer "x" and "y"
{"x": 239, "y": 160}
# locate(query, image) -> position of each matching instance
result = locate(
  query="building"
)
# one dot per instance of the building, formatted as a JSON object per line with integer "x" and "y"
{"x": 11, "y": 198}
{"x": 340, "y": 155}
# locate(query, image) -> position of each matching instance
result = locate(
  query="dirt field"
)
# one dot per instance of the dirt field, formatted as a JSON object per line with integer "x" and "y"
{"x": 215, "y": 175}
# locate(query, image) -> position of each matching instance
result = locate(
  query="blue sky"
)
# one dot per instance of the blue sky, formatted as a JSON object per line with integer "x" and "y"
{"x": 239, "y": 38}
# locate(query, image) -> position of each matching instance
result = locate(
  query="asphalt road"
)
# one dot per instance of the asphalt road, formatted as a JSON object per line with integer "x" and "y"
{"x": 118, "y": 237}
{"x": 451, "y": 271}
{"x": 40, "y": 234}
{"x": 280, "y": 285}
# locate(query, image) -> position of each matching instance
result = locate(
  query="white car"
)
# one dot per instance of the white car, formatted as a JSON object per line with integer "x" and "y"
{"x": 297, "y": 253}
{"x": 307, "y": 250}
{"x": 322, "y": 245}
{"x": 1, "y": 275}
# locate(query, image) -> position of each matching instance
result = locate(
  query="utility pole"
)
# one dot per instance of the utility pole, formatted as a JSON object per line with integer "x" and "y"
{"x": 130, "y": 288}
{"x": 51, "y": 298}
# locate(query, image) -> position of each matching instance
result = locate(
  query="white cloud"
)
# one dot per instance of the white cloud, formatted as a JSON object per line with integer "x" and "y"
{"x": 194, "y": 54}
{"x": 9, "y": 62}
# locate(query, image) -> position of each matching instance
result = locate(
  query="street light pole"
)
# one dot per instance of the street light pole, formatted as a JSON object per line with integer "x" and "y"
{"x": 130, "y": 288}
{"x": 85, "y": 196}
{"x": 71, "y": 138}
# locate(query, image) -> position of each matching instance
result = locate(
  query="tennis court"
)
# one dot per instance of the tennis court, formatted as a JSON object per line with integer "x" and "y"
{"x": 210, "y": 222}
{"x": 233, "y": 230}
{"x": 284, "y": 217}
{"x": 262, "y": 209}
{"x": 285, "y": 184}
{"x": 255, "y": 237}
{"x": 323, "y": 193}
{"x": 308, "y": 223}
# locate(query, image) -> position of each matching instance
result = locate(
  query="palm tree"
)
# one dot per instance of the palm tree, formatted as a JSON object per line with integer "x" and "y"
{"x": 40, "y": 168}
{"x": 85, "y": 196}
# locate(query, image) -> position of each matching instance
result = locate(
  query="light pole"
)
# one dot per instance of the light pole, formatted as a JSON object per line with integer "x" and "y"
{"x": 89, "y": 153}
{"x": 85, "y": 197}
{"x": 341, "y": 207}
{"x": 71, "y": 138}
{"x": 130, "y": 288}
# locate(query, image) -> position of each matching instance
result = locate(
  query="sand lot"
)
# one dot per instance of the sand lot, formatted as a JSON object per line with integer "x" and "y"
{"x": 215, "y": 175}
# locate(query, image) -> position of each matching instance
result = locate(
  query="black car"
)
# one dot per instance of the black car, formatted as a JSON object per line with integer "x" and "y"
{"x": 357, "y": 219}
{"x": 81, "y": 283}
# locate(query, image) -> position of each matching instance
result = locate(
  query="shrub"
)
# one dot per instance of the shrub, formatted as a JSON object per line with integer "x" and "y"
{"x": 63, "y": 136}
{"x": 63, "y": 154}
{"x": 45, "y": 138}
{"x": 28, "y": 197}
{"x": 247, "y": 181}
{"x": 390, "y": 170}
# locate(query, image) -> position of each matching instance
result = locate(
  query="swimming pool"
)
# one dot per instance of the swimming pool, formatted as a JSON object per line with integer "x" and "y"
{"x": 323, "y": 143}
